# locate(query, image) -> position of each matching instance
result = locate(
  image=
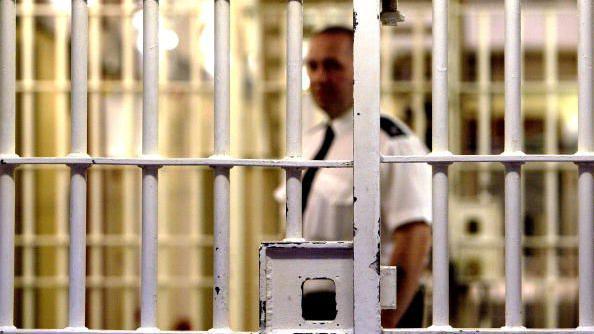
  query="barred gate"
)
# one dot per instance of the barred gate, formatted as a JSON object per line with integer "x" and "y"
{"x": 366, "y": 166}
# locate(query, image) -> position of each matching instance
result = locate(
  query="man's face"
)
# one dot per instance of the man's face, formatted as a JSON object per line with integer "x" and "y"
{"x": 329, "y": 65}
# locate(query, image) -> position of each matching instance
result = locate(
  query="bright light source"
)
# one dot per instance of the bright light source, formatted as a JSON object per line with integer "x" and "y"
{"x": 61, "y": 5}
{"x": 168, "y": 40}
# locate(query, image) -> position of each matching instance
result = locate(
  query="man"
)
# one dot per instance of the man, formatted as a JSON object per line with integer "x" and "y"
{"x": 328, "y": 193}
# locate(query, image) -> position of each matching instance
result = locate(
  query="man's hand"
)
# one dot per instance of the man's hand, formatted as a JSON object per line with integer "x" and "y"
{"x": 411, "y": 247}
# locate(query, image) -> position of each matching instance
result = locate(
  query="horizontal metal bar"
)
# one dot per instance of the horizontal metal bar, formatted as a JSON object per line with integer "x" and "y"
{"x": 581, "y": 158}
{"x": 113, "y": 241}
{"x": 112, "y": 86}
{"x": 501, "y": 158}
{"x": 209, "y": 162}
{"x": 115, "y": 9}
{"x": 119, "y": 87}
{"x": 113, "y": 282}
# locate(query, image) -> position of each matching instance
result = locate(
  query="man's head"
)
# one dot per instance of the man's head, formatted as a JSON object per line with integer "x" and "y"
{"x": 329, "y": 64}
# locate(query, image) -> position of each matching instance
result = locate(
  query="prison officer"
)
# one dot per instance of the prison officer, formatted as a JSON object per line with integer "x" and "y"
{"x": 328, "y": 193}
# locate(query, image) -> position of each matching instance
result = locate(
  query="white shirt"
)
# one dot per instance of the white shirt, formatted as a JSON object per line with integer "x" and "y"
{"x": 405, "y": 188}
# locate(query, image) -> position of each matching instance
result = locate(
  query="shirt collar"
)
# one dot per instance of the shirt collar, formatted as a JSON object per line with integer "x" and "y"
{"x": 343, "y": 123}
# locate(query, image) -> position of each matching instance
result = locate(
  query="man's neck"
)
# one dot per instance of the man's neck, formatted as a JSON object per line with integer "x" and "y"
{"x": 333, "y": 116}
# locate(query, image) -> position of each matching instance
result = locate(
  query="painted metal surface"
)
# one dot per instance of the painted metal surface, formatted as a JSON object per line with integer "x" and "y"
{"x": 7, "y": 148}
{"x": 78, "y": 177}
{"x": 366, "y": 165}
{"x": 284, "y": 269}
{"x": 440, "y": 147}
{"x": 294, "y": 228}
{"x": 150, "y": 113}
{"x": 513, "y": 146}
{"x": 584, "y": 157}
{"x": 586, "y": 181}
{"x": 366, "y": 169}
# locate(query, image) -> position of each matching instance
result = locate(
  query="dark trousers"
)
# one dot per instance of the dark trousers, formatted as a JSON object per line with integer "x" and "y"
{"x": 413, "y": 317}
{"x": 322, "y": 306}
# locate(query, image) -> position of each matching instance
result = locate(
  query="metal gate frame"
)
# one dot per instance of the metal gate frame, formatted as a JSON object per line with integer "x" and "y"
{"x": 366, "y": 165}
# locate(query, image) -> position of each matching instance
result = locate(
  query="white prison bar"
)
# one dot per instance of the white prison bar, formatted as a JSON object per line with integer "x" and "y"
{"x": 150, "y": 173}
{"x": 513, "y": 145}
{"x": 286, "y": 163}
{"x": 215, "y": 161}
{"x": 114, "y": 240}
{"x": 366, "y": 232}
{"x": 294, "y": 228}
{"x": 440, "y": 170}
{"x": 78, "y": 180}
{"x": 7, "y": 148}
{"x": 222, "y": 182}
{"x": 585, "y": 182}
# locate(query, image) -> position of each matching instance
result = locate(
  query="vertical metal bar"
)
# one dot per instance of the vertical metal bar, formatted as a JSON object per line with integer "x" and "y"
{"x": 28, "y": 210}
{"x": 513, "y": 73}
{"x": 586, "y": 217}
{"x": 440, "y": 246}
{"x": 222, "y": 174}
{"x": 7, "y": 194}
{"x": 366, "y": 167}
{"x": 294, "y": 119}
{"x": 513, "y": 269}
{"x": 78, "y": 200}
{"x": 513, "y": 146}
{"x": 95, "y": 175}
{"x": 440, "y": 144}
{"x": 7, "y": 76}
{"x": 79, "y": 66}
{"x": 78, "y": 178}
{"x": 7, "y": 148}
{"x": 440, "y": 76}
{"x": 148, "y": 316}
{"x": 585, "y": 182}
{"x": 551, "y": 183}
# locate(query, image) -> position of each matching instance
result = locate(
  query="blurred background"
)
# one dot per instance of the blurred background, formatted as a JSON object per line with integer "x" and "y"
{"x": 258, "y": 107}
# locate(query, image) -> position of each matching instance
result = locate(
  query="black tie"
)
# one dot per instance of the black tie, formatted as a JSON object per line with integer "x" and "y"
{"x": 311, "y": 172}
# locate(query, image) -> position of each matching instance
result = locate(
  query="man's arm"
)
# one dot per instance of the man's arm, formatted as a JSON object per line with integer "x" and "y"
{"x": 411, "y": 247}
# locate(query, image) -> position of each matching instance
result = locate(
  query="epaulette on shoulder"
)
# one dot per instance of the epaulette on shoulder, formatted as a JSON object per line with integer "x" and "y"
{"x": 390, "y": 127}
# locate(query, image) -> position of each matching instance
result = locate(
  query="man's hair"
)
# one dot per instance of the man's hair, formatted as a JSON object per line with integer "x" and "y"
{"x": 337, "y": 30}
